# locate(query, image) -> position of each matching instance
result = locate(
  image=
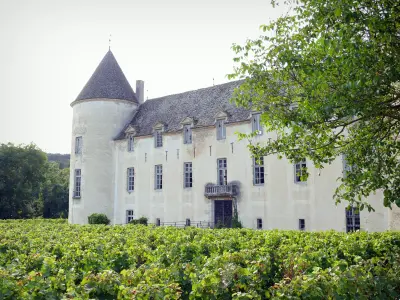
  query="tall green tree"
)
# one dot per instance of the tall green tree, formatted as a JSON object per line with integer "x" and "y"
{"x": 22, "y": 171}
{"x": 326, "y": 79}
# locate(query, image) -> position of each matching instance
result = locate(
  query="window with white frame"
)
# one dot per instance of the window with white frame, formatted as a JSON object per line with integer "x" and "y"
{"x": 77, "y": 183}
{"x": 352, "y": 219}
{"x": 259, "y": 223}
{"x": 302, "y": 224}
{"x": 130, "y": 179}
{"x": 188, "y": 175}
{"x": 131, "y": 139}
{"x": 129, "y": 215}
{"x": 258, "y": 171}
{"x": 222, "y": 171}
{"x": 158, "y": 177}
{"x": 300, "y": 170}
{"x": 256, "y": 123}
{"x": 78, "y": 145}
{"x": 187, "y": 134}
{"x": 158, "y": 142}
{"x": 221, "y": 130}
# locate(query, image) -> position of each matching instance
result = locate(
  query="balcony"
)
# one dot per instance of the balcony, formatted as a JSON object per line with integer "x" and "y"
{"x": 213, "y": 190}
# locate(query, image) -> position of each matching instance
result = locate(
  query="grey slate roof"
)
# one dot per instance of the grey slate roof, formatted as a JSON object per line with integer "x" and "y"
{"x": 108, "y": 81}
{"x": 202, "y": 105}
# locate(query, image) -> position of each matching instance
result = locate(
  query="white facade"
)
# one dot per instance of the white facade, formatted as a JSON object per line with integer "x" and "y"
{"x": 102, "y": 162}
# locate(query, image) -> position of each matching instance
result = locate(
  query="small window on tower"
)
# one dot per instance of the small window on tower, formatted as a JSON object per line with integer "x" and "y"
{"x": 78, "y": 145}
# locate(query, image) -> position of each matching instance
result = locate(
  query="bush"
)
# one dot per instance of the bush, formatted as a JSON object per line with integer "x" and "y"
{"x": 141, "y": 220}
{"x": 98, "y": 219}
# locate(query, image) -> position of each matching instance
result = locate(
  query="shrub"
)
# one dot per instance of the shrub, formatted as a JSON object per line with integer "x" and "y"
{"x": 98, "y": 219}
{"x": 141, "y": 220}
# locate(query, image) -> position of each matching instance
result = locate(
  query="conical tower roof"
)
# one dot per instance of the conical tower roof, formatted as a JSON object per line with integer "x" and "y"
{"x": 108, "y": 81}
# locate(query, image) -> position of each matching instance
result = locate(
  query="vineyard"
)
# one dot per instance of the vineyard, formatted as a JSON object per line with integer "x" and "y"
{"x": 53, "y": 260}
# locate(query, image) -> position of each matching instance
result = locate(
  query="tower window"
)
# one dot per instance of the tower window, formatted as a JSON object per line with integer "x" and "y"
{"x": 78, "y": 145}
{"x": 77, "y": 183}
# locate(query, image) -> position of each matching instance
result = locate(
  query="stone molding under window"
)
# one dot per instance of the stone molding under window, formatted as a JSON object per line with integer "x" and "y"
{"x": 77, "y": 183}
{"x": 258, "y": 171}
{"x": 78, "y": 145}
{"x": 130, "y": 179}
{"x": 188, "y": 175}
{"x": 300, "y": 170}
{"x": 256, "y": 123}
{"x": 158, "y": 177}
{"x": 131, "y": 141}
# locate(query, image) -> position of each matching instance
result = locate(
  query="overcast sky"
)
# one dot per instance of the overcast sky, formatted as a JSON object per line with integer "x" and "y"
{"x": 50, "y": 48}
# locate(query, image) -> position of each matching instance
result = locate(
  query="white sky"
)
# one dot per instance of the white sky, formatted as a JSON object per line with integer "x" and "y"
{"x": 50, "y": 48}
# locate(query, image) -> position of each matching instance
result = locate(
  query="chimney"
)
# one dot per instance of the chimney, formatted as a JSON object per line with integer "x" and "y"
{"x": 140, "y": 91}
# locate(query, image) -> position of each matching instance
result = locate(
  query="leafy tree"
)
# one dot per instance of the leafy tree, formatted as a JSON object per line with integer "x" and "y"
{"x": 21, "y": 173}
{"x": 326, "y": 79}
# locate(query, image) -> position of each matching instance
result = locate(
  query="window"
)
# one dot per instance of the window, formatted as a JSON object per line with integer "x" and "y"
{"x": 346, "y": 166}
{"x": 302, "y": 224}
{"x": 129, "y": 215}
{"x": 187, "y": 134}
{"x": 187, "y": 222}
{"x": 158, "y": 222}
{"x": 259, "y": 223}
{"x": 188, "y": 175}
{"x": 77, "y": 183}
{"x": 258, "y": 171}
{"x": 221, "y": 130}
{"x": 158, "y": 138}
{"x": 300, "y": 170}
{"x": 352, "y": 219}
{"x": 78, "y": 145}
{"x": 130, "y": 143}
{"x": 130, "y": 179}
{"x": 158, "y": 177}
{"x": 222, "y": 172}
{"x": 256, "y": 124}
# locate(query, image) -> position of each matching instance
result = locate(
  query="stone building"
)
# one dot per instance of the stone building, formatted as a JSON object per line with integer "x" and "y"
{"x": 177, "y": 159}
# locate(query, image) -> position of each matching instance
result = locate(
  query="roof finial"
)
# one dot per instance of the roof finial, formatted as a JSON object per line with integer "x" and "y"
{"x": 213, "y": 81}
{"x": 109, "y": 43}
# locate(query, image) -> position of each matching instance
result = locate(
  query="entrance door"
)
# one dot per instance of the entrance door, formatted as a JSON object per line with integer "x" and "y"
{"x": 223, "y": 213}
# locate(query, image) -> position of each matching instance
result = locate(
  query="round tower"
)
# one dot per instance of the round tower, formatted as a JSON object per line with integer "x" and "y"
{"x": 100, "y": 112}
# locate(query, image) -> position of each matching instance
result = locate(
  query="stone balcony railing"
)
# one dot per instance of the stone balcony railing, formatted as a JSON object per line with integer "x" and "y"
{"x": 212, "y": 190}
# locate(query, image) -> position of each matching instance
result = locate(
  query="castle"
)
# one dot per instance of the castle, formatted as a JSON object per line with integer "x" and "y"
{"x": 177, "y": 160}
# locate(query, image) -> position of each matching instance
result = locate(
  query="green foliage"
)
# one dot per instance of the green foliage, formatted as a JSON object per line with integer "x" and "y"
{"x": 61, "y": 159}
{"x": 30, "y": 186}
{"x": 50, "y": 259}
{"x": 326, "y": 78}
{"x": 141, "y": 220}
{"x": 98, "y": 219}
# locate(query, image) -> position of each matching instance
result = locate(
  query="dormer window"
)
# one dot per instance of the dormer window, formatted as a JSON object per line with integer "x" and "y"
{"x": 158, "y": 138}
{"x": 187, "y": 134}
{"x": 256, "y": 124}
{"x": 131, "y": 140}
{"x": 221, "y": 130}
